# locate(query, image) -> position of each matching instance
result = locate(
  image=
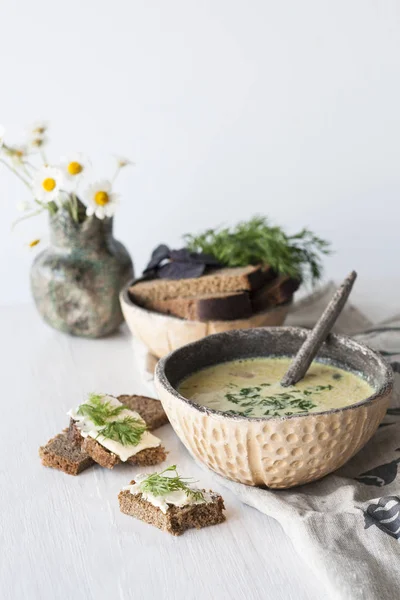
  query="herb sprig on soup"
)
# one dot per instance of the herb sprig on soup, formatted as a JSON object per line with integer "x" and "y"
{"x": 251, "y": 387}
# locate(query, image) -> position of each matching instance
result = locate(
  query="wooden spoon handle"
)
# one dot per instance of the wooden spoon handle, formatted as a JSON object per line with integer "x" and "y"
{"x": 318, "y": 334}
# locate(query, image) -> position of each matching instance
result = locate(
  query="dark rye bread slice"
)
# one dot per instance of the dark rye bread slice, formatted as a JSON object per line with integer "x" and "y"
{"x": 237, "y": 279}
{"x": 149, "y": 409}
{"x": 63, "y": 454}
{"x": 225, "y": 306}
{"x": 103, "y": 457}
{"x": 177, "y": 519}
{"x": 276, "y": 292}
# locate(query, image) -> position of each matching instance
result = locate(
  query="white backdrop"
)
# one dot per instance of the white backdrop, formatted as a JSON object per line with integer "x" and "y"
{"x": 229, "y": 108}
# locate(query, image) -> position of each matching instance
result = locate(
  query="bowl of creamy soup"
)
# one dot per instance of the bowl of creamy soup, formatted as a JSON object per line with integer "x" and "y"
{"x": 223, "y": 397}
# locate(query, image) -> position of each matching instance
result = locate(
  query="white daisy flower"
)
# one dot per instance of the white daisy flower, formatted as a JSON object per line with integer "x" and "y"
{"x": 16, "y": 153}
{"x": 75, "y": 166}
{"x": 36, "y": 142}
{"x": 38, "y": 129}
{"x": 47, "y": 184}
{"x": 100, "y": 199}
{"x": 122, "y": 161}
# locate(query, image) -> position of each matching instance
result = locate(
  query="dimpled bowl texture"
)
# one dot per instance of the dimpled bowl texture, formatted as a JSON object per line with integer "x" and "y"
{"x": 164, "y": 333}
{"x": 278, "y": 452}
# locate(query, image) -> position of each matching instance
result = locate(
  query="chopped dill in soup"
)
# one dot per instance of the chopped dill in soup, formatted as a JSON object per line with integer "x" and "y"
{"x": 251, "y": 387}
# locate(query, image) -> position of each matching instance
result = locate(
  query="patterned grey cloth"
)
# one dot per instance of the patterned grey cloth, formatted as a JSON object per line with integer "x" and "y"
{"x": 347, "y": 525}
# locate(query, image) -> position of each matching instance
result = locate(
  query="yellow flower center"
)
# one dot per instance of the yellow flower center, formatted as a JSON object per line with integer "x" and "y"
{"x": 74, "y": 168}
{"x": 34, "y": 243}
{"x": 101, "y": 198}
{"x": 49, "y": 184}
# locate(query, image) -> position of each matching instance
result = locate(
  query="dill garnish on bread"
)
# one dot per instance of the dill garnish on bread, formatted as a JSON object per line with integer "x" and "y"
{"x": 111, "y": 433}
{"x": 170, "y": 502}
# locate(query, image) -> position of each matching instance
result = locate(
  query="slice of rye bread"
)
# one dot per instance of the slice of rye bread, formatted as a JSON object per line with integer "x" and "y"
{"x": 276, "y": 292}
{"x": 106, "y": 458}
{"x": 223, "y": 306}
{"x": 63, "y": 454}
{"x": 177, "y": 519}
{"x": 103, "y": 457}
{"x": 236, "y": 279}
{"x": 149, "y": 409}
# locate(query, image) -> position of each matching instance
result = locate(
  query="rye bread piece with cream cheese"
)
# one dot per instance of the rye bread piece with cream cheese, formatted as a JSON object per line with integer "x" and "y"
{"x": 174, "y": 519}
{"x": 63, "y": 454}
{"x": 110, "y": 432}
{"x": 236, "y": 279}
{"x": 149, "y": 409}
{"x": 105, "y": 458}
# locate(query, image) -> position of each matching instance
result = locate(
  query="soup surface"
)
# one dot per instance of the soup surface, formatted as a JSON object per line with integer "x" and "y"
{"x": 251, "y": 387}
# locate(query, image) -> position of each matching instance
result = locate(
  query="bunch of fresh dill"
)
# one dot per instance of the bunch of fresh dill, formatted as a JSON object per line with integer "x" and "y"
{"x": 126, "y": 431}
{"x": 159, "y": 484}
{"x": 257, "y": 242}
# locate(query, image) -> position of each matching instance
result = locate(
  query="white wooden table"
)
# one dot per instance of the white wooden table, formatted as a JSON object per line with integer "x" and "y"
{"x": 63, "y": 537}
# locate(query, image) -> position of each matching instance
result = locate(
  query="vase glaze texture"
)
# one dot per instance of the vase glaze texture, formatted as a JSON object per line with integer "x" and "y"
{"x": 76, "y": 281}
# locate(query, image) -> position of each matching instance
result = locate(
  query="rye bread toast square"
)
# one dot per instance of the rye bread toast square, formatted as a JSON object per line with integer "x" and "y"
{"x": 177, "y": 519}
{"x": 150, "y": 410}
{"x": 63, "y": 454}
{"x": 105, "y": 458}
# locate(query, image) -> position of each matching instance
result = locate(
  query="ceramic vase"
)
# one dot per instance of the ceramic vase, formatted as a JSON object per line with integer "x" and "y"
{"x": 76, "y": 280}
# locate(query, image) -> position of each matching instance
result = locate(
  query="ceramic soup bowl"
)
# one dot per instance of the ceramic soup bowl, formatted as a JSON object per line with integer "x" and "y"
{"x": 278, "y": 452}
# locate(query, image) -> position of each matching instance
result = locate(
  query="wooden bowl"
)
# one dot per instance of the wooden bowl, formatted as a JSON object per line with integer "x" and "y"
{"x": 278, "y": 452}
{"x": 164, "y": 333}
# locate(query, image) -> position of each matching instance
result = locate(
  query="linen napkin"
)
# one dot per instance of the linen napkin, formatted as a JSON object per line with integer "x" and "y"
{"x": 347, "y": 525}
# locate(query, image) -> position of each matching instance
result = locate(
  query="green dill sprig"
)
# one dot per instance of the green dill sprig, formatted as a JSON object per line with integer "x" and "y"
{"x": 99, "y": 410}
{"x": 160, "y": 485}
{"x": 257, "y": 242}
{"x": 127, "y": 431}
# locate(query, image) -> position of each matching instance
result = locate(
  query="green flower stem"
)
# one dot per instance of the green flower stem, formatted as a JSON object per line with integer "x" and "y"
{"x": 114, "y": 177}
{"x": 27, "y": 216}
{"x": 28, "y": 185}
